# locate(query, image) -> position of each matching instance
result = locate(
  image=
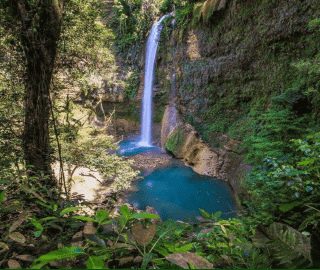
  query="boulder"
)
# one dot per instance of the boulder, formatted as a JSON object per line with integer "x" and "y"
{"x": 184, "y": 143}
{"x": 171, "y": 119}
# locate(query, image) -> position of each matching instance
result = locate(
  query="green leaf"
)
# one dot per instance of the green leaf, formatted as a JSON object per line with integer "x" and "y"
{"x": 307, "y": 221}
{"x": 146, "y": 259}
{"x": 144, "y": 215}
{"x": 306, "y": 162}
{"x": 37, "y": 224}
{"x": 59, "y": 254}
{"x": 125, "y": 211}
{"x": 1, "y": 196}
{"x": 83, "y": 218}
{"x": 184, "y": 248}
{"x": 37, "y": 233}
{"x": 44, "y": 205}
{"x": 217, "y": 214}
{"x": 164, "y": 252}
{"x": 68, "y": 210}
{"x": 205, "y": 214}
{"x": 288, "y": 245}
{"x": 47, "y": 218}
{"x": 95, "y": 262}
{"x": 102, "y": 215}
{"x": 289, "y": 206}
{"x": 122, "y": 221}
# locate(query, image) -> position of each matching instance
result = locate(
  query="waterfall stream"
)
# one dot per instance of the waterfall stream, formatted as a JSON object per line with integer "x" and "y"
{"x": 152, "y": 45}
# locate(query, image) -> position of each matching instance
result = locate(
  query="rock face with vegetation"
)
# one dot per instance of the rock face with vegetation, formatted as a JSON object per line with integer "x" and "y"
{"x": 234, "y": 60}
{"x": 184, "y": 143}
{"x": 171, "y": 119}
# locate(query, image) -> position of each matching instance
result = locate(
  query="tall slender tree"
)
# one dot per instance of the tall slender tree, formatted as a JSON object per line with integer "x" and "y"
{"x": 39, "y": 23}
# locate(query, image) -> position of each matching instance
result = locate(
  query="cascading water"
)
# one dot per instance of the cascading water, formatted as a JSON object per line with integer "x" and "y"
{"x": 152, "y": 46}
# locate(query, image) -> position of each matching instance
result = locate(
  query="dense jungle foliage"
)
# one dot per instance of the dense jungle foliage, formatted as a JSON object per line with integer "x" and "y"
{"x": 40, "y": 226}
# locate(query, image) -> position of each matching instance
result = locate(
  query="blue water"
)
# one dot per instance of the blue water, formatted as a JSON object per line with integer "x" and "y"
{"x": 176, "y": 191}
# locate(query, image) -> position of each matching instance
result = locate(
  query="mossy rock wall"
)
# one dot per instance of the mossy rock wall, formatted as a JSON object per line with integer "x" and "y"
{"x": 239, "y": 60}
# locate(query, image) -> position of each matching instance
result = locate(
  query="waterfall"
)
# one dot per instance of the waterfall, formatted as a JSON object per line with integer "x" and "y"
{"x": 152, "y": 46}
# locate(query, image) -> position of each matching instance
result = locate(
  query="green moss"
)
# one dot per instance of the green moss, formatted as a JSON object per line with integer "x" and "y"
{"x": 158, "y": 114}
{"x": 175, "y": 141}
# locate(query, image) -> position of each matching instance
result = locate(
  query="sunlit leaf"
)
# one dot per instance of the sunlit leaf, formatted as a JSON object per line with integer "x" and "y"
{"x": 102, "y": 215}
{"x": 83, "y": 218}
{"x": 59, "y": 254}
{"x": 46, "y": 219}
{"x": 95, "y": 262}
{"x": 184, "y": 248}
{"x": 37, "y": 224}
{"x": 68, "y": 210}
{"x": 204, "y": 213}
{"x": 125, "y": 211}
{"x": 217, "y": 214}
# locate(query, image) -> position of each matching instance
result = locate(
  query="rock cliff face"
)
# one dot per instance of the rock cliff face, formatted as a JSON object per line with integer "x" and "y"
{"x": 224, "y": 66}
{"x": 246, "y": 51}
{"x": 183, "y": 142}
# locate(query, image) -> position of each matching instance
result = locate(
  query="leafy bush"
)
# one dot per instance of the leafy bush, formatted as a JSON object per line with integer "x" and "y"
{"x": 283, "y": 183}
{"x": 271, "y": 134}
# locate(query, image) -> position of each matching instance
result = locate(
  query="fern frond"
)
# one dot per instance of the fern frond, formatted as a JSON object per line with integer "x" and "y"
{"x": 288, "y": 245}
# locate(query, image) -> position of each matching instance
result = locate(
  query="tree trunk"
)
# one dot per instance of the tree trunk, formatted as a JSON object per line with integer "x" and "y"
{"x": 40, "y": 32}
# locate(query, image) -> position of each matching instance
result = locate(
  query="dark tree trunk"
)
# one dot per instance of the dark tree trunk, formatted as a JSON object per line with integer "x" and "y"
{"x": 40, "y": 32}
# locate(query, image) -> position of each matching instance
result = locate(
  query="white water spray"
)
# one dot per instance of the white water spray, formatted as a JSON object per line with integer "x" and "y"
{"x": 152, "y": 46}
